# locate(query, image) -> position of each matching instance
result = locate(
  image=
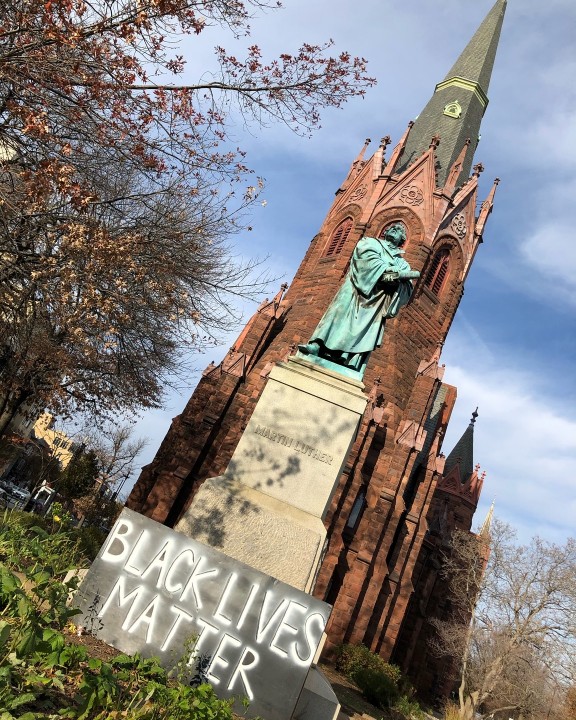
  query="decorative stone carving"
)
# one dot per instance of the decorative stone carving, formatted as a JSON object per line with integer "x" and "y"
{"x": 412, "y": 195}
{"x": 234, "y": 363}
{"x": 430, "y": 368}
{"x": 453, "y": 109}
{"x": 459, "y": 225}
{"x": 359, "y": 193}
{"x": 412, "y": 435}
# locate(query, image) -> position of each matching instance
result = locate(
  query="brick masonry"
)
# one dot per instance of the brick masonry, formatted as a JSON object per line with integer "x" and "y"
{"x": 380, "y": 570}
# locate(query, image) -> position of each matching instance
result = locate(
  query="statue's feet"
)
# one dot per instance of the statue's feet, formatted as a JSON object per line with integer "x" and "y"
{"x": 310, "y": 348}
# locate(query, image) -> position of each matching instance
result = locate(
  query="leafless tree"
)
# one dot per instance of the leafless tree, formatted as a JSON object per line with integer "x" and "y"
{"x": 116, "y": 450}
{"x": 120, "y": 187}
{"x": 513, "y": 621}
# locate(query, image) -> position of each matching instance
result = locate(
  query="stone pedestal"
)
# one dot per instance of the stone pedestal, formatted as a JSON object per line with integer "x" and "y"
{"x": 267, "y": 508}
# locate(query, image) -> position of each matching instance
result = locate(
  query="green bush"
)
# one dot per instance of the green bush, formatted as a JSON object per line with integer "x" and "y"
{"x": 354, "y": 658}
{"x": 82, "y": 544}
{"x": 90, "y": 540}
{"x": 377, "y": 687}
{"x": 25, "y": 520}
{"x": 381, "y": 683}
{"x": 408, "y": 707}
{"x": 43, "y": 674}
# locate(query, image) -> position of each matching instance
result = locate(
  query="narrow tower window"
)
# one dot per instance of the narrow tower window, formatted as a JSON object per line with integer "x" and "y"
{"x": 438, "y": 271}
{"x": 357, "y": 508}
{"x": 339, "y": 237}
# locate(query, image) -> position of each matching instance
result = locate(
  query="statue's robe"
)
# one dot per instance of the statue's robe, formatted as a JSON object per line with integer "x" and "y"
{"x": 353, "y": 324}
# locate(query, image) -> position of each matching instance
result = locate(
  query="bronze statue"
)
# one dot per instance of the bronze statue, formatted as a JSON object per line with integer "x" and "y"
{"x": 377, "y": 285}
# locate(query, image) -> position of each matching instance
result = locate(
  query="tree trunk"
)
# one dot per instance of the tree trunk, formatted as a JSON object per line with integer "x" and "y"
{"x": 11, "y": 407}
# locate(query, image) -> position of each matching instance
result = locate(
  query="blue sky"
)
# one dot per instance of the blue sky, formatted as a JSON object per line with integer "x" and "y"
{"x": 512, "y": 345}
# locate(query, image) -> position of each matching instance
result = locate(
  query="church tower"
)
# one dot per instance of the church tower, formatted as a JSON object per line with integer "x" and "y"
{"x": 386, "y": 501}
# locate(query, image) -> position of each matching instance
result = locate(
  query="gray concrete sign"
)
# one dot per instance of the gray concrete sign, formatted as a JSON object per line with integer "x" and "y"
{"x": 155, "y": 591}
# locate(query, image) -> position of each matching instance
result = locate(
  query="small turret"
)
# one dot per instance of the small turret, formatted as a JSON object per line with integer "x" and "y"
{"x": 463, "y": 453}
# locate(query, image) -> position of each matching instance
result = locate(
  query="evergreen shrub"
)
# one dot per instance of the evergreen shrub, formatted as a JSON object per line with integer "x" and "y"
{"x": 381, "y": 683}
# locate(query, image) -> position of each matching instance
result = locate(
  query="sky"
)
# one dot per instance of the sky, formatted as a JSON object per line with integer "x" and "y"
{"x": 511, "y": 347}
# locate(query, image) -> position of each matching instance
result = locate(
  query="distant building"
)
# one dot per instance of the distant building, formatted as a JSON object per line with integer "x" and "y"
{"x": 399, "y": 498}
{"x": 61, "y": 445}
{"x": 32, "y": 452}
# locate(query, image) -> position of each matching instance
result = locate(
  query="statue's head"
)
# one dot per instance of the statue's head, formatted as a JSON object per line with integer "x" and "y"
{"x": 396, "y": 234}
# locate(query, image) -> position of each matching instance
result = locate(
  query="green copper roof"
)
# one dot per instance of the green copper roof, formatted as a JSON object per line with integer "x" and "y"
{"x": 463, "y": 452}
{"x": 456, "y": 109}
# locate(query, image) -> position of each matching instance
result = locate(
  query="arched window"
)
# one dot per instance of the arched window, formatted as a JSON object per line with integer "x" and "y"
{"x": 339, "y": 237}
{"x": 438, "y": 271}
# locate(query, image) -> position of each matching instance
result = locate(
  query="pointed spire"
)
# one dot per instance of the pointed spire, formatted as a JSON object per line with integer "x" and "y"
{"x": 379, "y": 159}
{"x": 486, "y": 209}
{"x": 356, "y": 166}
{"x": 477, "y": 60}
{"x": 456, "y": 109}
{"x": 398, "y": 150}
{"x": 463, "y": 452}
{"x": 487, "y": 524}
{"x": 455, "y": 170}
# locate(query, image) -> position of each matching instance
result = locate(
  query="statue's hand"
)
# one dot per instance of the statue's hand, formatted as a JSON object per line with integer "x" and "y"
{"x": 389, "y": 277}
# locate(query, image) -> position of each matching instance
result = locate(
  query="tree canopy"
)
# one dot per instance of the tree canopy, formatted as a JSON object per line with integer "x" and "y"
{"x": 120, "y": 188}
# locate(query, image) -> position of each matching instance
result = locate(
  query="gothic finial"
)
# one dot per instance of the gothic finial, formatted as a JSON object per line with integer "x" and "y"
{"x": 356, "y": 167}
{"x": 208, "y": 369}
{"x": 478, "y": 169}
{"x": 359, "y": 162}
{"x": 456, "y": 170}
{"x": 435, "y": 141}
{"x": 278, "y": 297}
{"x": 376, "y": 405}
{"x": 291, "y": 350}
{"x": 474, "y": 416}
{"x": 385, "y": 141}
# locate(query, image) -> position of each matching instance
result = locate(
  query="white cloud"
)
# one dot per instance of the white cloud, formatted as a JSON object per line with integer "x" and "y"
{"x": 551, "y": 251}
{"x": 526, "y": 445}
{"x": 553, "y": 134}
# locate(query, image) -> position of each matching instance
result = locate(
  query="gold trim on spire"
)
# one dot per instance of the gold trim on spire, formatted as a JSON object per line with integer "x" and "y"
{"x": 464, "y": 84}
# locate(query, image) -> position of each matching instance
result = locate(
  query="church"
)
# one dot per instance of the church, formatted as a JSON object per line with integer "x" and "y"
{"x": 399, "y": 494}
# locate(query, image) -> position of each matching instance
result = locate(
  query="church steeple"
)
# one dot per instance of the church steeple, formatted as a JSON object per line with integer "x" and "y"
{"x": 463, "y": 452}
{"x": 456, "y": 109}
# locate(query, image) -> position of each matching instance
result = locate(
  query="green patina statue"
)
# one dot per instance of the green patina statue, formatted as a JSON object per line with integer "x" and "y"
{"x": 377, "y": 285}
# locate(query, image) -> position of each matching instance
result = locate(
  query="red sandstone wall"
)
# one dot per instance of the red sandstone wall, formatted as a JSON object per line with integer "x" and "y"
{"x": 369, "y": 571}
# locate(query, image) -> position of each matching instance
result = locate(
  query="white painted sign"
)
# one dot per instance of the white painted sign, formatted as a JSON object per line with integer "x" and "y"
{"x": 154, "y": 590}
